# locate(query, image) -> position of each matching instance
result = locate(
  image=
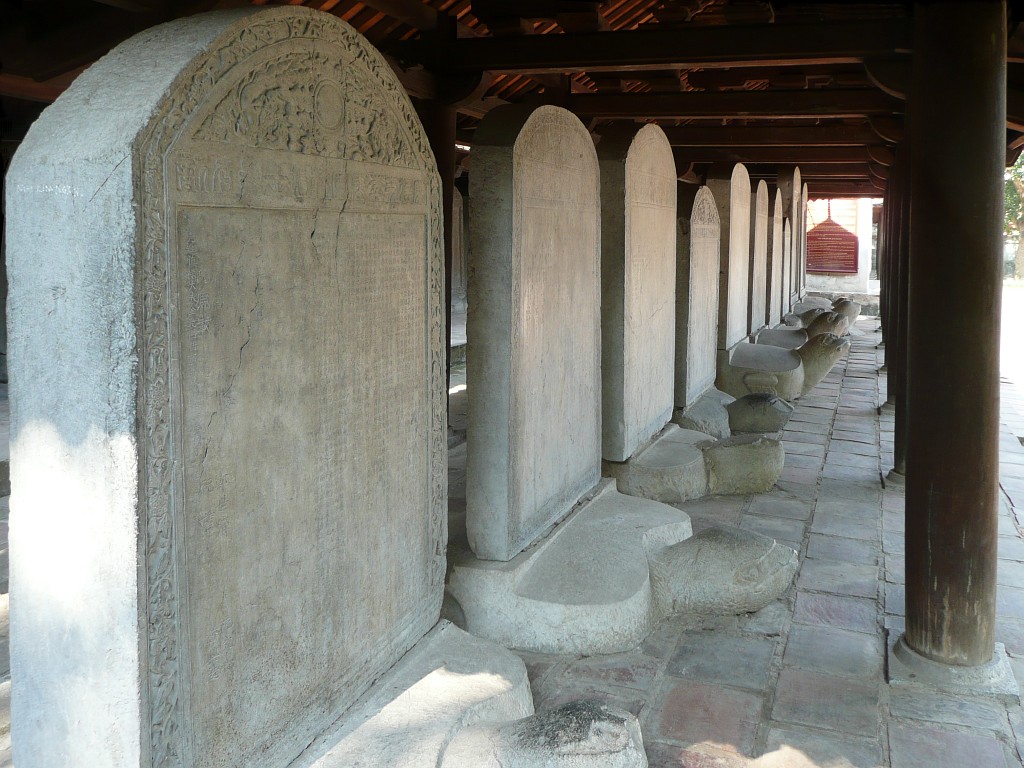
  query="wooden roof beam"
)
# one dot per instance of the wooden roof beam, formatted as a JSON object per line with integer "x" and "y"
{"x": 810, "y": 171}
{"x": 760, "y": 45}
{"x": 823, "y": 189}
{"x": 775, "y": 155}
{"x": 851, "y": 103}
{"x": 410, "y": 12}
{"x": 771, "y": 136}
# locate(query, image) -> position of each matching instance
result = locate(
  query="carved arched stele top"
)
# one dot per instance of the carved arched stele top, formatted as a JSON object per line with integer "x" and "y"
{"x": 697, "y": 301}
{"x": 775, "y": 259}
{"x": 705, "y": 212}
{"x": 247, "y": 231}
{"x": 758, "y": 258}
{"x": 638, "y": 262}
{"x": 736, "y": 280}
{"x": 293, "y": 121}
{"x": 534, "y": 432}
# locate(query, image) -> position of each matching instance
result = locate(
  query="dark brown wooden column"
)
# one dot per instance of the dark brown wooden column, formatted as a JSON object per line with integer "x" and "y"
{"x": 957, "y": 130}
{"x": 884, "y": 261}
{"x": 439, "y": 123}
{"x": 900, "y": 309}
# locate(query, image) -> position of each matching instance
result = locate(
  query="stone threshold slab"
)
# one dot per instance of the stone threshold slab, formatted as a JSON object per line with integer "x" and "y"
{"x": 583, "y": 589}
{"x": 448, "y": 680}
{"x": 905, "y": 667}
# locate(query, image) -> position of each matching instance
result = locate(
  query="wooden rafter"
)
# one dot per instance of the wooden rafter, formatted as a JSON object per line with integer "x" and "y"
{"x": 776, "y": 155}
{"x": 767, "y": 45}
{"x": 851, "y": 103}
{"x": 771, "y": 136}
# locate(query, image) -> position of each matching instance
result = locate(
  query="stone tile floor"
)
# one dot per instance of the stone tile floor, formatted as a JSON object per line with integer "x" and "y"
{"x": 801, "y": 684}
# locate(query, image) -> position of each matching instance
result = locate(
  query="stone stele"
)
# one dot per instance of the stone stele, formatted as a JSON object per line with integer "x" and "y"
{"x": 789, "y": 183}
{"x": 534, "y": 437}
{"x": 638, "y": 277}
{"x": 787, "y": 250}
{"x": 534, "y": 365}
{"x": 460, "y": 265}
{"x": 698, "y": 248}
{"x": 228, "y": 437}
{"x": 802, "y": 258}
{"x": 732, "y": 194}
{"x": 759, "y": 234}
{"x": 775, "y": 258}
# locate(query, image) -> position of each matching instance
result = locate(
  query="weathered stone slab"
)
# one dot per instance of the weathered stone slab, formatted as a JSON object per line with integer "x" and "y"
{"x": 787, "y": 338}
{"x": 707, "y": 415}
{"x": 449, "y": 680}
{"x": 755, "y": 368}
{"x": 580, "y": 734}
{"x": 671, "y": 469}
{"x": 758, "y": 292}
{"x": 732, "y": 196}
{"x": 802, "y": 261}
{"x": 584, "y": 589}
{"x": 791, "y": 186}
{"x": 776, "y": 243}
{"x": 759, "y": 413}
{"x": 787, "y": 265}
{"x": 698, "y": 248}
{"x": 638, "y": 265}
{"x": 227, "y": 395}
{"x": 722, "y": 570}
{"x": 848, "y": 308}
{"x": 460, "y": 244}
{"x": 534, "y": 437}
{"x": 828, "y": 322}
{"x": 744, "y": 464}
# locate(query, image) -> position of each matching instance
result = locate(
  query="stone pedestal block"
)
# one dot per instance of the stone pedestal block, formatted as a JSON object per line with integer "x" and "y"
{"x": 762, "y": 413}
{"x": 682, "y": 465}
{"x": 828, "y": 322}
{"x": 787, "y": 338}
{"x": 788, "y": 373}
{"x": 721, "y": 571}
{"x": 849, "y": 308}
{"x": 744, "y": 464}
{"x": 671, "y": 469}
{"x": 585, "y": 588}
{"x": 818, "y": 355}
{"x": 754, "y": 368}
{"x": 708, "y": 414}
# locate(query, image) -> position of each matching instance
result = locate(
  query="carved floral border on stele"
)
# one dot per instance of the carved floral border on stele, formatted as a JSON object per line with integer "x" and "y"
{"x": 232, "y": 48}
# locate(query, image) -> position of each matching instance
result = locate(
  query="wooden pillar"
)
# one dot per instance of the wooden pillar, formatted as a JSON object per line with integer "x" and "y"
{"x": 900, "y": 310}
{"x": 883, "y": 265}
{"x": 439, "y": 123}
{"x": 958, "y": 132}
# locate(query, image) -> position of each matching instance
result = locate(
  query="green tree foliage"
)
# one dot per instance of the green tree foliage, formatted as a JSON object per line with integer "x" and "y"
{"x": 1013, "y": 221}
